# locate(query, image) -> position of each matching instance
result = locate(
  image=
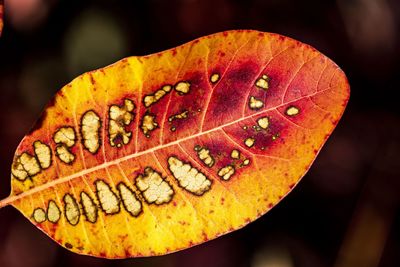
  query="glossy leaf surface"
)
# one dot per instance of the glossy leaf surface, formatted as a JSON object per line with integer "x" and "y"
{"x": 158, "y": 153}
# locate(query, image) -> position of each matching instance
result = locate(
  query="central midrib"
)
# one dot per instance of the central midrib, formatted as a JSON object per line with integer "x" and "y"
{"x": 39, "y": 188}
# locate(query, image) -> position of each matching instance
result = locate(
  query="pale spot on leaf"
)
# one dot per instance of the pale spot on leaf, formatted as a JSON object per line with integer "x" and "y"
{"x": 179, "y": 116}
{"x": 119, "y": 118}
{"x": 263, "y": 82}
{"x": 249, "y": 142}
{"x": 154, "y": 98}
{"x": 148, "y": 124}
{"x": 255, "y": 103}
{"x": 182, "y": 87}
{"x": 214, "y": 78}
{"x": 109, "y": 201}
{"x": 39, "y": 215}
{"x": 189, "y": 177}
{"x": 65, "y": 138}
{"x": 235, "y": 154}
{"x": 204, "y": 155}
{"x": 263, "y": 122}
{"x": 131, "y": 203}
{"x": 292, "y": 111}
{"x": 226, "y": 172}
{"x": 64, "y": 155}
{"x": 25, "y": 166}
{"x": 153, "y": 187}
{"x": 72, "y": 212}
{"x": 65, "y": 135}
{"x": 43, "y": 154}
{"x": 89, "y": 208}
{"x": 90, "y": 129}
{"x": 53, "y": 212}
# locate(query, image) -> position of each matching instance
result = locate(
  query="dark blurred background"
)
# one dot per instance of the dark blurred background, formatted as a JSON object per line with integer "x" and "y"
{"x": 344, "y": 213}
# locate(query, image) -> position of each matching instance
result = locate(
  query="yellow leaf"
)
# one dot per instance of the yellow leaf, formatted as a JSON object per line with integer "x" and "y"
{"x": 158, "y": 153}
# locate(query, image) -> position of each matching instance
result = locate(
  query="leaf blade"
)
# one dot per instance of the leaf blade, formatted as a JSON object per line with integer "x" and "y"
{"x": 298, "y": 77}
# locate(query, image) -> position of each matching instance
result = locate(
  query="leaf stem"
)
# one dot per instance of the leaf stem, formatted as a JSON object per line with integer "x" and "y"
{"x": 6, "y": 201}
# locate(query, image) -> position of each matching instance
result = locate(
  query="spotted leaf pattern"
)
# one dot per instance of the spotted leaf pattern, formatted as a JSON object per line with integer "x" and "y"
{"x": 158, "y": 153}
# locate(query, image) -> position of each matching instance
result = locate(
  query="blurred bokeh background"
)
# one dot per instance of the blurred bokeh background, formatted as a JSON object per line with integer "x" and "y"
{"x": 344, "y": 213}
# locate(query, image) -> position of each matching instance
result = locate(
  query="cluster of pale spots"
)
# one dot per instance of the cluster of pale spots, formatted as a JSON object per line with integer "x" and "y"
{"x": 179, "y": 116}
{"x": 149, "y": 124}
{"x": 182, "y": 87}
{"x": 263, "y": 123}
{"x": 150, "y": 185}
{"x": 226, "y": 172}
{"x": 25, "y": 166}
{"x": 106, "y": 199}
{"x": 151, "y": 99}
{"x": 53, "y": 213}
{"x": 204, "y": 155}
{"x": 120, "y": 117}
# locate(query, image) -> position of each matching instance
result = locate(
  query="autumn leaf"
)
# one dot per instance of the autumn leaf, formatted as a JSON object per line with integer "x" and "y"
{"x": 158, "y": 153}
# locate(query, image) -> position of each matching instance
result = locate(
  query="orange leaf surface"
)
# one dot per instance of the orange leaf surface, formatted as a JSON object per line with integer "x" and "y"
{"x": 158, "y": 153}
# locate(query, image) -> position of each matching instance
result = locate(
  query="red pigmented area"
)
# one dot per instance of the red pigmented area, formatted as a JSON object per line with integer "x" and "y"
{"x": 303, "y": 118}
{"x": 193, "y": 103}
{"x": 128, "y": 253}
{"x": 264, "y": 139}
{"x": 280, "y": 70}
{"x": 230, "y": 95}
